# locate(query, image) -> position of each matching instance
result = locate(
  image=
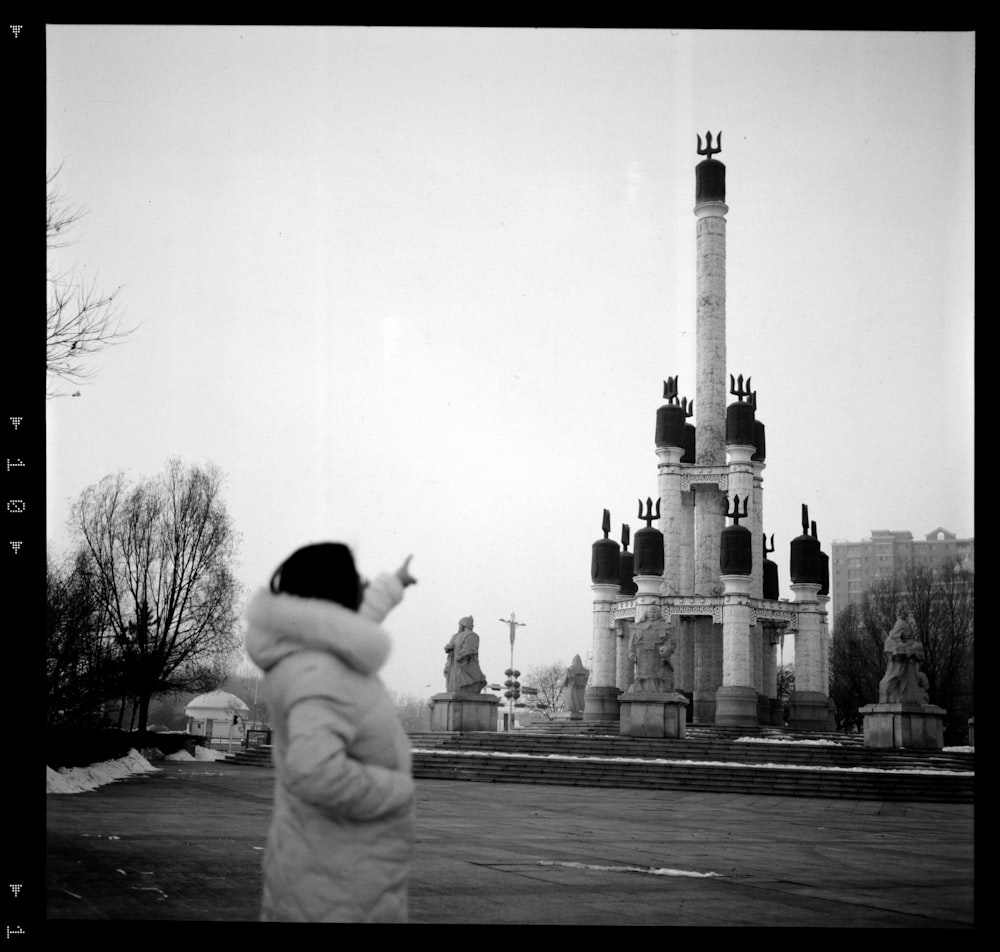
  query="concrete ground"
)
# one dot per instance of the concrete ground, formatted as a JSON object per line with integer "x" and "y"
{"x": 186, "y": 843}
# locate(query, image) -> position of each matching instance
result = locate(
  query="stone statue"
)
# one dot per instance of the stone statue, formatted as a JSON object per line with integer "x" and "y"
{"x": 650, "y": 647}
{"x": 903, "y": 681}
{"x": 462, "y": 673}
{"x": 576, "y": 681}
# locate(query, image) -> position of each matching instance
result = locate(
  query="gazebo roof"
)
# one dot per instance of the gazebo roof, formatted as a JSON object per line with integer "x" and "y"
{"x": 216, "y": 700}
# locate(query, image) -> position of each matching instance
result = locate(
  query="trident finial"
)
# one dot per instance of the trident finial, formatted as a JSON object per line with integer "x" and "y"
{"x": 606, "y": 523}
{"x": 736, "y": 515}
{"x": 625, "y": 535}
{"x": 688, "y": 408}
{"x": 805, "y": 519}
{"x": 738, "y": 391}
{"x": 708, "y": 151}
{"x": 767, "y": 550}
{"x": 814, "y": 529}
{"x": 670, "y": 389}
{"x": 648, "y": 517}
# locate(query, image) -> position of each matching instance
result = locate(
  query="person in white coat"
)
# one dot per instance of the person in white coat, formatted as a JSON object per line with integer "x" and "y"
{"x": 340, "y": 843}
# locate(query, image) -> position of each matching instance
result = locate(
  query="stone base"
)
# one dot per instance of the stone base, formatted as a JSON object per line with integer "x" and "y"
{"x": 453, "y": 711}
{"x": 736, "y": 707}
{"x": 904, "y": 724}
{"x": 651, "y": 714}
{"x": 568, "y": 716}
{"x": 703, "y": 708}
{"x": 601, "y": 704}
{"x": 809, "y": 711}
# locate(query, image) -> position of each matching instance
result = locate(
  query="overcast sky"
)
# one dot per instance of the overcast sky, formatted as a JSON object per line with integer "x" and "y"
{"x": 417, "y": 290}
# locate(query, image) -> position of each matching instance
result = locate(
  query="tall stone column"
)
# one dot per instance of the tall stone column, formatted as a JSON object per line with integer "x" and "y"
{"x": 601, "y": 693}
{"x": 810, "y": 704}
{"x": 710, "y": 395}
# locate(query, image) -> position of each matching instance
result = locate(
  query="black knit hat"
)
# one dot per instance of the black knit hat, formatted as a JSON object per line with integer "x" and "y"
{"x": 323, "y": 570}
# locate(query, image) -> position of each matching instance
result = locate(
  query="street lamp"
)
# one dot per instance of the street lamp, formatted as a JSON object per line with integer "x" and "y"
{"x": 513, "y": 686}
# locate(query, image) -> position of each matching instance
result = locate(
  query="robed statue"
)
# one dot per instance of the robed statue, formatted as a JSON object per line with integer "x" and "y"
{"x": 903, "y": 680}
{"x": 650, "y": 649}
{"x": 462, "y": 673}
{"x": 576, "y": 681}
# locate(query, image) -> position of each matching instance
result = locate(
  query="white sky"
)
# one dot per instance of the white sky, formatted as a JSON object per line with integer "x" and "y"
{"x": 417, "y": 290}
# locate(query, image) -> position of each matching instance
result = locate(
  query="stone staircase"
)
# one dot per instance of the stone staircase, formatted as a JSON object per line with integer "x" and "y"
{"x": 709, "y": 759}
{"x": 763, "y": 760}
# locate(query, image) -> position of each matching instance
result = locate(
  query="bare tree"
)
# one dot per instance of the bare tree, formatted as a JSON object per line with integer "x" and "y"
{"x": 79, "y": 320}
{"x": 82, "y": 664}
{"x": 549, "y": 680}
{"x": 163, "y": 551}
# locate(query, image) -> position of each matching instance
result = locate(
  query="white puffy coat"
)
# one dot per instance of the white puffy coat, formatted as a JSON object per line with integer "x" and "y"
{"x": 341, "y": 838}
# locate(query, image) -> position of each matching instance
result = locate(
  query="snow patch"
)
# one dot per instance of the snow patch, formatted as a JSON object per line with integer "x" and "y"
{"x": 649, "y": 871}
{"x": 80, "y": 779}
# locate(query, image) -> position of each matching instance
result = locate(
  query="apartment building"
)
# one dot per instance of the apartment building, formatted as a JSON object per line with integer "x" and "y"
{"x": 854, "y": 566}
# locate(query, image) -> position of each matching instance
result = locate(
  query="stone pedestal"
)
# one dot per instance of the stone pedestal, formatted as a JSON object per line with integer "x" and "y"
{"x": 453, "y": 711}
{"x": 777, "y": 713}
{"x": 904, "y": 724}
{"x": 736, "y": 707}
{"x": 809, "y": 711}
{"x": 651, "y": 714}
{"x": 601, "y": 704}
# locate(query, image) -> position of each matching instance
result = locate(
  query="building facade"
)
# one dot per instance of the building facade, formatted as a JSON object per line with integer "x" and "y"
{"x": 856, "y": 566}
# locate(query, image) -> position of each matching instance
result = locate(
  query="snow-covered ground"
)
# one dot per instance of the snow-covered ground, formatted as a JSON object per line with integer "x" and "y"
{"x": 79, "y": 779}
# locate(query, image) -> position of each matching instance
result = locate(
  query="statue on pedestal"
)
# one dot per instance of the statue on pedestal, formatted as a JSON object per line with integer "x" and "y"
{"x": 903, "y": 680}
{"x": 576, "y": 681}
{"x": 462, "y": 673}
{"x": 650, "y": 647}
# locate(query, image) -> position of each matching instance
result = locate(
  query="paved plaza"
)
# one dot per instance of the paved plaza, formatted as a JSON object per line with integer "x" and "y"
{"x": 186, "y": 843}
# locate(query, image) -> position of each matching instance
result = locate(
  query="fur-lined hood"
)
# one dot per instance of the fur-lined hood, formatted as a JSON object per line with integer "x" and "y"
{"x": 280, "y": 624}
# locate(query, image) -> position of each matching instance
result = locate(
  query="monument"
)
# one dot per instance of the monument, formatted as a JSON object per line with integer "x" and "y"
{"x": 462, "y": 706}
{"x": 719, "y": 596}
{"x": 576, "y": 681}
{"x": 902, "y": 717}
{"x": 650, "y": 707}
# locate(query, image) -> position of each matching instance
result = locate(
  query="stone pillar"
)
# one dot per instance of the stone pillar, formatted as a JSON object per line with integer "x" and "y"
{"x": 623, "y": 670}
{"x": 736, "y": 698}
{"x": 769, "y": 674}
{"x": 684, "y": 655}
{"x": 647, "y": 593}
{"x": 810, "y": 704}
{"x": 672, "y": 520}
{"x": 823, "y": 602}
{"x": 687, "y": 543}
{"x": 709, "y": 521}
{"x": 757, "y": 528}
{"x": 710, "y": 394}
{"x": 601, "y": 693}
{"x": 707, "y": 668}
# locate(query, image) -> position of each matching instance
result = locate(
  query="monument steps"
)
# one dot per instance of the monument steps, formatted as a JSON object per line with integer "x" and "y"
{"x": 708, "y": 759}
